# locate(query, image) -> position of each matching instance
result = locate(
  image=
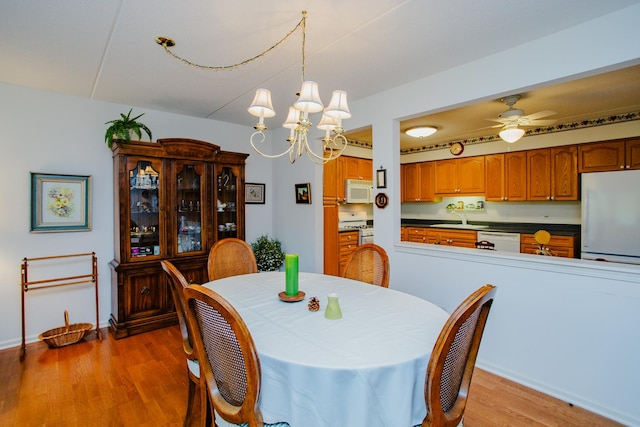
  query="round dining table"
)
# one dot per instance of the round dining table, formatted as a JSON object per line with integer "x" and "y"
{"x": 366, "y": 369}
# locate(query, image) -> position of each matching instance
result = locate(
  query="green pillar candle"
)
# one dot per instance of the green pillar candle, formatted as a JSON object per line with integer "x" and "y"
{"x": 291, "y": 273}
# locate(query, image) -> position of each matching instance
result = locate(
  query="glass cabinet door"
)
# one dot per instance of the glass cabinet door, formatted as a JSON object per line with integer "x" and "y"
{"x": 227, "y": 195}
{"x": 189, "y": 183}
{"x": 144, "y": 202}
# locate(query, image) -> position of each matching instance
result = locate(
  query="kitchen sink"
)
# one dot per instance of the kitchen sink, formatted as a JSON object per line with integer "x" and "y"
{"x": 460, "y": 226}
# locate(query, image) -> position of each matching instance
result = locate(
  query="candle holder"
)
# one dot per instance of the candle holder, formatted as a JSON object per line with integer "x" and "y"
{"x": 291, "y": 293}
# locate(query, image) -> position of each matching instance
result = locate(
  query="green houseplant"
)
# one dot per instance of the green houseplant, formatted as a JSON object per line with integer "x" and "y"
{"x": 268, "y": 252}
{"x": 122, "y": 128}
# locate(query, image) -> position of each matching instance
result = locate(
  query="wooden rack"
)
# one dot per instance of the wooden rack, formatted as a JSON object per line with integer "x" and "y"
{"x": 55, "y": 282}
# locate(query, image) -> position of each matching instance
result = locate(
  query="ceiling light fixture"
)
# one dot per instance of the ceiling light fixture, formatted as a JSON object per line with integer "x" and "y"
{"x": 298, "y": 118}
{"x": 421, "y": 131}
{"x": 511, "y": 133}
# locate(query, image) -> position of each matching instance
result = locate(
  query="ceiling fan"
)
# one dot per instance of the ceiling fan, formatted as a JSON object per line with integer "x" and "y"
{"x": 512, "y": 118}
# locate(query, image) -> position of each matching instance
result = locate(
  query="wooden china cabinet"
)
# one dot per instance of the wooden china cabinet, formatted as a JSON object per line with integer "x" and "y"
{"x": 173, "y": 199}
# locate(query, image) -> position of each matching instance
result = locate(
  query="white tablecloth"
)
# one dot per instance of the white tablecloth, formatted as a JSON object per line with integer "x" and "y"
{"x": 366, "y": 369}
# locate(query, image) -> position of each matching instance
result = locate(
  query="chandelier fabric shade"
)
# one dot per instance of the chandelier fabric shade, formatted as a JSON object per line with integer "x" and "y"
{"x": 298, "y": 120}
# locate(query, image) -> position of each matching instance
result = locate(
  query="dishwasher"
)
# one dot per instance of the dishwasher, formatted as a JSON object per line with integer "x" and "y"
{"x": 503, "y": 242}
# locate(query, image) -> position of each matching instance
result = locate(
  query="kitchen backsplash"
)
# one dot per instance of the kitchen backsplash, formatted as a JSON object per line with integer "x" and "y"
{"x": 530, "y": 212}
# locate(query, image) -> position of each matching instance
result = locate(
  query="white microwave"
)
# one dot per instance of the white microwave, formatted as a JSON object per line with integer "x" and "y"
{"x": 358, "y": 191}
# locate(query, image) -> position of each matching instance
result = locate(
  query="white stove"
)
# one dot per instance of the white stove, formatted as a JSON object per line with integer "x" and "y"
{"x": 356, "y": 221}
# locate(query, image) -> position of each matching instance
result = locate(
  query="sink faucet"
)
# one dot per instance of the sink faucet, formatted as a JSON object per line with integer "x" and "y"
{"x": 463, "y": 217}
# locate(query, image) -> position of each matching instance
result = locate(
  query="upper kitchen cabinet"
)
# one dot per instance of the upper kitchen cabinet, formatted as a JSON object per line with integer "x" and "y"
{"x": 418, "y": 182}
{"x": 357, "y": 168}
{"x": 609, "y": 155}
{"x": 333, "y": 181}
{"x": 173, "y": 200}
{"x": 506, "y": 177}
{"x": 460, "y": 176}
{"x": 553, "y": 173}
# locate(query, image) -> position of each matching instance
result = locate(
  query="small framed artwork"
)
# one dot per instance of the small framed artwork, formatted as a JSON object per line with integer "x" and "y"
{"x": 60, "y": 203}
{"x": 382, "y": 200}
{"x": 254, "y": 193}
{"x": 381, "y": 178}
{"x": 303, "y": 193}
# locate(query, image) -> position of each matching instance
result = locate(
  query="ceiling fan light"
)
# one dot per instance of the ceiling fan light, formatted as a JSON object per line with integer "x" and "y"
{"x": 421, "y": 131}
{"x": 511, "y": 134}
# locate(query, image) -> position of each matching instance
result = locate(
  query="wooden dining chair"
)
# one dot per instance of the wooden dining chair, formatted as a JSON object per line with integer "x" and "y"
{"x": 368, "y": 263}
{"x": 229, "y": 363}
{"x": 177, "y": 284}
{"x": 453, "y": 359}
{"x": 231, "y": 257}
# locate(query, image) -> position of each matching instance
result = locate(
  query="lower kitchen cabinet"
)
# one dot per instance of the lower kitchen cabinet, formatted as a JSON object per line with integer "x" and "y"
{"x": 347, "y": 243}
{"x": 561, "y": 246}
{"x": 448, "y": 237}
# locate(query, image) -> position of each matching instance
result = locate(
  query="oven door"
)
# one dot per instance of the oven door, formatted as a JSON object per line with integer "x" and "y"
{"x": 365, "y": 237}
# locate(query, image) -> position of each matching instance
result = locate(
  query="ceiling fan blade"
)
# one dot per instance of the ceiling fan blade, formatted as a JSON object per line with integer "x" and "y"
{"x": 539, "y": 115}
{"x": 536, "y": 123}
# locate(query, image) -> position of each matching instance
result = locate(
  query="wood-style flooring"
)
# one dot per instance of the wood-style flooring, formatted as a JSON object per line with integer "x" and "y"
{"x": 141, "y": 381}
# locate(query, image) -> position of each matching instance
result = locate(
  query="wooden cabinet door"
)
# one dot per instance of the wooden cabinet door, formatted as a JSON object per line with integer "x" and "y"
{"x": 410, "y": 182}
{"x": 351, "y": 167}
{"x": 471, "y": 175}
{"x": 515, "y": 187}
{"x": 601, "y": 156}
{"x": 365, "y": 169}
{"x": 539, "y": 174}
{"x": 632, "y": 155}
{"x": 495, "y": 178}
{"x": 426, "y": 174}
{"x": 446, "y": 177}
{"x": 331, "y": 181}
{"x": 564, "y": 173}
{"x": 331, "y": 245}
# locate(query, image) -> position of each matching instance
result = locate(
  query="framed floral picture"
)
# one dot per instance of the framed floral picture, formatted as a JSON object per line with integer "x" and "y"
{"x": 254, "y": 193}
{"x": 60, "y": 203}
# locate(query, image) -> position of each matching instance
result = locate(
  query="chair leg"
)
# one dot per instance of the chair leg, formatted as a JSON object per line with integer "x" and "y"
{"x": 190, "y": 402}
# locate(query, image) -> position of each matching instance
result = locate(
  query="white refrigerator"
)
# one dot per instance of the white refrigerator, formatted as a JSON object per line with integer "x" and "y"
{"x": 611, "y": 216}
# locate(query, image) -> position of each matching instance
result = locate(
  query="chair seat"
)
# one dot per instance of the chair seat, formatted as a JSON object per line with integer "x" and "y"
{"x": 194, "y": 367}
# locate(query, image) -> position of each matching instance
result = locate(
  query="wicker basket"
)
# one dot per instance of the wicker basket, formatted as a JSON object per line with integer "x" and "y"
{"x": 67, "y": 334}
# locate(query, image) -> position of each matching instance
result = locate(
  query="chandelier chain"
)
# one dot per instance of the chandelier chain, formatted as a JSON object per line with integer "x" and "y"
{"x": 166, "y": 43}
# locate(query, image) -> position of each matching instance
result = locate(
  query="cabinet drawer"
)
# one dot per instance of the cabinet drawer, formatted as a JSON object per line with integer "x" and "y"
{"x": 460, "y": 238}
{"x": 562, "y": 246}
{"x": 563, "y": 241}
{"x": 417, "y": 234}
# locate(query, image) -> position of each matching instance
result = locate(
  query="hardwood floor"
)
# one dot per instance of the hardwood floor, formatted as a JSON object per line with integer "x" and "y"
{"x": 142, "y": 381}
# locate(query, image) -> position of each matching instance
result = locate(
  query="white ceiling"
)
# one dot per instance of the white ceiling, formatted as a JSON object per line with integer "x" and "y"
{"x": 105, "y": 50}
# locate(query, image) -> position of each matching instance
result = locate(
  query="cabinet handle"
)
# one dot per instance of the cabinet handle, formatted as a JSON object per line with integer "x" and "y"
{"x": 628, "y": 166}
{"x": 551, "y": 197}
{"x": 145, "y": 291}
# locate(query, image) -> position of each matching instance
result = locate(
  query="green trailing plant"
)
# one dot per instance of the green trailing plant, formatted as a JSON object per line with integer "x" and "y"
{"x": 268, "y": 252}
{"x": 121, "y": 129}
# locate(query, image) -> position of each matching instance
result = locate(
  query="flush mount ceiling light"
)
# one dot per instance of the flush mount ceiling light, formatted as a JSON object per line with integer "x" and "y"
{"x": 511, "y": 133}
{"x": 421, "y": 131}
{"x": 298, "y": 118}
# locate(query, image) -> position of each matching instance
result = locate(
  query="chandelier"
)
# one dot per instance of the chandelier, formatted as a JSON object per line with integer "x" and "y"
{"x": 298, "y": 120}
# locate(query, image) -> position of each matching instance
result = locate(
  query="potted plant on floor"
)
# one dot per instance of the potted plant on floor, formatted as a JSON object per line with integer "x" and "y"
{"x": 268, "y": 253}
{"x": 121, "y": 129}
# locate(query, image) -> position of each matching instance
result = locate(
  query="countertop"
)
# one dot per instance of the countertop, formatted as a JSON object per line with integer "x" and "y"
{"x": 504, "y": 227}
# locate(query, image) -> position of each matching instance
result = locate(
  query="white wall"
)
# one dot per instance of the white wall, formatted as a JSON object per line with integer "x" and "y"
{"x": 567, "y": 328}
{"x": 52, "y": 133}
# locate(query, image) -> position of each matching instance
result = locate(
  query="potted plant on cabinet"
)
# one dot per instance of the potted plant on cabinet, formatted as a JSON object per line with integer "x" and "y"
{"x": 268, "y": 253}
{"x": 122, "y": 128}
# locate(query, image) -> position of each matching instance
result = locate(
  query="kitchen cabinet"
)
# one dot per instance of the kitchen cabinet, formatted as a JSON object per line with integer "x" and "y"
{"x": 333, "y": 181}
{"x": 168, "y": 205}
{"x": 347, "y": 243}
{"x": 609, "y": 156}
{"x": 357, "y": 168}
{"x": 506, "y": 177}
{"x": 456, "y": 177}
{"x": 416, "y": 234}
{"x": 449, "y": 237}
{"x": 417, "y": 181}
{"x": 561, "y": 246}
{"x": 553, "y": 173}
{"x": 331, "y": 245}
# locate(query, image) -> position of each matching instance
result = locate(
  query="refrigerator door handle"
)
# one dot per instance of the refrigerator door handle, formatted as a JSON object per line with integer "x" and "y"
{"x": 585, "y": 219}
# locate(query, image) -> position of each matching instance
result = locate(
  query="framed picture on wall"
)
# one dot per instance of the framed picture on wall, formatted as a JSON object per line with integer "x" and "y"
{"x": 60, "y": 203}
{"x": 303, "y": 193}
{"x": 254, "y": 193}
